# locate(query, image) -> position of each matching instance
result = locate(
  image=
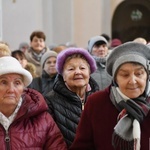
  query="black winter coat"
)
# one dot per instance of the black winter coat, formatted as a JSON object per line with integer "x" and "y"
{"x": 43, "y": 84}
{"x": 66, "y": 107}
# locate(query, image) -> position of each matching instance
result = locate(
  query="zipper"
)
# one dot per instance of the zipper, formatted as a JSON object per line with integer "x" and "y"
{"x": 7, "y": 140}
{"x": 82, "y": 102}
{"x": 82, "y": 105}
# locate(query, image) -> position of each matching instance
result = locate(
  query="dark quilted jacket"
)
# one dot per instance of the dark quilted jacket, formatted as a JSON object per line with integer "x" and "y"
{"x": 66, "y": 107}
{"x": 33, "y": 127}
{"x": 43, "y": 84}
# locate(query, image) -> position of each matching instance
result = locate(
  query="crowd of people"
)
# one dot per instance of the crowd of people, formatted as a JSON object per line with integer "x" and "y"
{"x": 65, "y": 97}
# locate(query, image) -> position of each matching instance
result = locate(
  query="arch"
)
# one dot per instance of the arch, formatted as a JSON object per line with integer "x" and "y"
{"x": 131, "y": 19}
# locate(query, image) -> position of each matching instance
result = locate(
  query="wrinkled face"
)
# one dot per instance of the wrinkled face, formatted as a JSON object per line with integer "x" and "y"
{"x": 50, "y": 66}
{"x": 100, "y": 50}
{"x": 76, "y": 73}
{"x": 131, "y": 79}
{"x": 11, "y": 88}
{"x": 38, "y": 44}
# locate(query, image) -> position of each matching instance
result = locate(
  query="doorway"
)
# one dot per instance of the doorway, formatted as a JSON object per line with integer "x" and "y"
{"x": 131, "y": 19}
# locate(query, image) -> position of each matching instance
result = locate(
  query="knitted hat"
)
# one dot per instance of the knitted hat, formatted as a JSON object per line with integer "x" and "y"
{"x": 115, "y": 42}
{"x": 95, "y": 39}
{"x": 46, "y": 56}
{"x": 63, "y": 55}
{"x": 128, "y": 52}
{"x": 9, "y": 64}
{"x": 23, "y": 44}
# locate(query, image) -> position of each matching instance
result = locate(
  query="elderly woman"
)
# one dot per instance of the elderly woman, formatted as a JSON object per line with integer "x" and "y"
{"x": 118, "y": 117}
{"x": 45, "y": 82}
{"x": 24, "y": 120}
{"x": 71, "y": 88}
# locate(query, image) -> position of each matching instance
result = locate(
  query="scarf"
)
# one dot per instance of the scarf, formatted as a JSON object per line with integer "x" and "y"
{"x": 127, "y": 132}
{"x": 37, "y": 56}
{"x": 6, "y": 121}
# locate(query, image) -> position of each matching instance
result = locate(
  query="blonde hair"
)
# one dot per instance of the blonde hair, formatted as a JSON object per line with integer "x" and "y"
{"x": 4, "y": 50}
{"x": 140, "y": 40}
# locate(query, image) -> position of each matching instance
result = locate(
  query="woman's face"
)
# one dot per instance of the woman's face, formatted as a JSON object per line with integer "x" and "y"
{"x": 76, "y": 73}
{"x": 131, "y": 79}
{"x": 22, "y": 60}
{"x": 100, "y": 50}
{"x": 38, "y": 44}
{"x": 50, "y": 66}
{"x": 11, "y": 88}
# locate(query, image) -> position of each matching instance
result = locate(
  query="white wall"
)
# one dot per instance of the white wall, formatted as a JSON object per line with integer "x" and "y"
{"x": 24, "y": 16}
{"x": 61, "y": 20}
{"x": 47, "y": 20}
{"x": 20, "y": 19}
{"x": 62, "y": 25}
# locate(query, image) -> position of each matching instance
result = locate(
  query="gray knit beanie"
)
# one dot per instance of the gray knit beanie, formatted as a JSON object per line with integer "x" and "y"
{"x": 128, "y": 52}
{"x": 46, "y": 56}
{"x": 95, "y": 39}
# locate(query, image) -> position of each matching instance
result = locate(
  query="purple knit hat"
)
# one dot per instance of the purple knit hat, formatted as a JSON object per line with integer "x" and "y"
{"x": 63, "y": 55}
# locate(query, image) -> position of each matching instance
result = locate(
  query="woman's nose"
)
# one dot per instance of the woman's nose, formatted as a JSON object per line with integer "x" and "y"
{"x": 132, "y": 79}
{"x": 11, "y": 87}
{"x": 77, "y": 71}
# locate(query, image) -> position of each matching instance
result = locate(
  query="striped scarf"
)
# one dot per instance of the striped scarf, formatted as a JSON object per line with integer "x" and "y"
{"x": 127, "y": 132}
{"x": 37, "y": 56}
